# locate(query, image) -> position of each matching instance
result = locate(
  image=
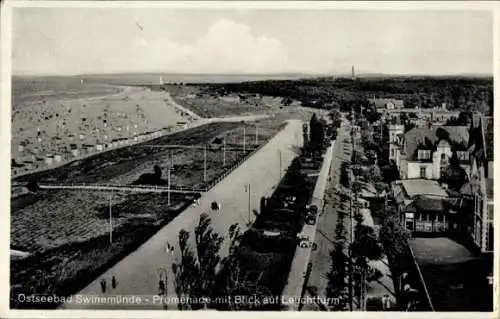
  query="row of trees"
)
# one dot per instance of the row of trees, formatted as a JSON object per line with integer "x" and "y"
{"x": 352, "y": 252}
{"x": 425, "y": 92}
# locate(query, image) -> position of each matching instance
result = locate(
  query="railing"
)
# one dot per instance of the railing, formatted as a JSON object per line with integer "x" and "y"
{"x": 430, "y": 227}
{"x": 133, "y": 188}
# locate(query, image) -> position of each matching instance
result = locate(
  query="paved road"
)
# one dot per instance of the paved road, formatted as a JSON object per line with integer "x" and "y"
{"x": 138, "y": 273}
{"x": 325, "y": 232}
{"x": 302, "y": 256}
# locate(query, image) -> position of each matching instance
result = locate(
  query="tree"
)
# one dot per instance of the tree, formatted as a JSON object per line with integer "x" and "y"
{"x": 335, "y": 116}
{"x": 454, "y": 175}
{"x": 305, "y": 135}
{"x": 186, "y": 272}
{"x": 317, "y": 130}
{"x": 365, "y": 247}
{"x": 373, "y": 174}
{"x": 394, "y": 239}
{"x": 195, "y": 275}
{"x": 464, "y": 119}
{"x": 336, "y": 277}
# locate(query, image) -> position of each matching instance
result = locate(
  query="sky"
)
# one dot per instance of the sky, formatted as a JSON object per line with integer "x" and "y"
{"x": 60, "y": 41}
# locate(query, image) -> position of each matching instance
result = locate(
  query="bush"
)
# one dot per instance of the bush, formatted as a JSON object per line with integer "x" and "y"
{"x": 374, "y": 304}
{"x": 257, "y": 241}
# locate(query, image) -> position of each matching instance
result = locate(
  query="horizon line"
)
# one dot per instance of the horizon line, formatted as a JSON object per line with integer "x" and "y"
{"x": 332, "y": 74}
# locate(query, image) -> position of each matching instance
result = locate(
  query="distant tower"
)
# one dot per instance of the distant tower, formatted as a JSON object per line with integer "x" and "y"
{"x": 161, "y": 80}
{"x": 353, "y": 73}
{"x": 81, "y": 80}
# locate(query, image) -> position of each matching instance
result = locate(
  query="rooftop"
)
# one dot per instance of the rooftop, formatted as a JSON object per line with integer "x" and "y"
{"x": 429, "y": 204}
{"x": 429, "y": 136}
{"x": 382, "y": 103}
{"x": 414, "y": 187}
{"x": 446, "y": 268}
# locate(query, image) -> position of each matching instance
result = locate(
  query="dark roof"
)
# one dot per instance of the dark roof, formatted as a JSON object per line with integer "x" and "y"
{"x": 469, "y": 189}
{"x": 427, "y": 203}
{"x": 419, "y": 135}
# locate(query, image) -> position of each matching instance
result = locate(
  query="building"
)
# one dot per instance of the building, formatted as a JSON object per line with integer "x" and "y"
{"x": 396, "y": 133}
{"x": 424, "y": 206}
{"x": 420, "y": 117}
{"x": 480, "y": 188}
{"x": 425, "y": 152}
{"x": 382, "y": 105}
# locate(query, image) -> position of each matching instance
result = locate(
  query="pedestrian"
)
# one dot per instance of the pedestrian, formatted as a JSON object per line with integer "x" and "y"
{"x": 103, "y": 285}
{"x": 161, "y": 285}
{"x": 113, "y": 282}
{"x": 386, "y": 302}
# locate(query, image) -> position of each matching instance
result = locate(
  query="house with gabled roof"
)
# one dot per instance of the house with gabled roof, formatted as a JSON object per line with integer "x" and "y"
{"x": 424, "y": 206}
{"x": 425, "y": 152}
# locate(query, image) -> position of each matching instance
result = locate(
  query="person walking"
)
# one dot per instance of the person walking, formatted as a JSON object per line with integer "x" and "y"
{"x": 161, "y": 285}
{"x": 103, "y": 285}
{"x": 113, "y": 282}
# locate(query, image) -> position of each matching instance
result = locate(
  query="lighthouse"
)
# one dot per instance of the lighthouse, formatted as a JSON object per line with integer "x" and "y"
{"x": 353, "y": 73}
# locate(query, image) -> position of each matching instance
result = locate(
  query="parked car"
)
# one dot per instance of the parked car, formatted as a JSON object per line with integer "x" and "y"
{"x": 305, "y": 244}
{"x": 310, "y": 220}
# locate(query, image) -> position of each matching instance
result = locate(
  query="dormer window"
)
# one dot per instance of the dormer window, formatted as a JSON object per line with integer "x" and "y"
{"x": 463, "y": 155}
{"x": 424, "y": 154}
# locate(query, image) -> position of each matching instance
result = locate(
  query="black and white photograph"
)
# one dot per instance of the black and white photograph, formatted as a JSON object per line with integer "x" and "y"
{"x": 244, "y": 156}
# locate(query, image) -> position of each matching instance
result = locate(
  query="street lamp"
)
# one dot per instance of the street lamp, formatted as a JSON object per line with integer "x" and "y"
{"x": 110, "y": 220}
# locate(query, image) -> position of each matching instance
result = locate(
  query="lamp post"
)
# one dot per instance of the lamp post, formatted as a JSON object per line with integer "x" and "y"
{"x": 168, "y": 186}
{"x": 280, "y": 156}
{"x": 244, "y": 139}
{"x": 110, "y": 220}
{"x": 256, "y": 134}
{"x": 247, "y": 190}
{"x": 205, "y": 163}
{"x": 224, "y": 153}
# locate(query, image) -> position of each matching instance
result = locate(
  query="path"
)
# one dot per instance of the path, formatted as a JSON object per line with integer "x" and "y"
{"x": 138, "y": 273}
{"x": 176, "y": 105}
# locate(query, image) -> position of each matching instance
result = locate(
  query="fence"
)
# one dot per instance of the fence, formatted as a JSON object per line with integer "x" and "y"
{"x": 238, "y": 163}
{"x": 111, "y": 187}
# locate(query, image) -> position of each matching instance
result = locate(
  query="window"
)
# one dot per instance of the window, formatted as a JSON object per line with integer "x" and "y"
{"x": 490, "y": 211}
{"x": 423, "y": 171}
{"x": 424, "y": 154}
{"x": 463, "y": 156}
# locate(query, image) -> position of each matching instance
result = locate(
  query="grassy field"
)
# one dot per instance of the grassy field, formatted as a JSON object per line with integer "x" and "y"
{"x": 213, "y": 105}
{"x": 66, "y": 269}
